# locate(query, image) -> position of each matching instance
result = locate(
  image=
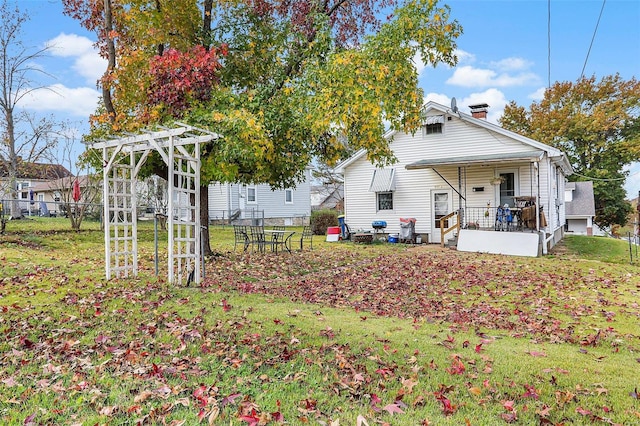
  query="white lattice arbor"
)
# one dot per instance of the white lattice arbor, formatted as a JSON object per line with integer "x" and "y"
{"x": 179, "y": 148}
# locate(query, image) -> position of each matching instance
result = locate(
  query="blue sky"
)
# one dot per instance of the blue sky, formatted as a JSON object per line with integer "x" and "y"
{"x": 503, "y": 54}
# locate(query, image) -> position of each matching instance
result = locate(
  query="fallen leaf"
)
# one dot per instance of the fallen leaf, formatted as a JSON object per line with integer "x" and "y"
{"x": 508, "y": 405}
{"x": 361, "y": 421}
{"x": 583, "y": 411}
{"x": 393, "y": 408}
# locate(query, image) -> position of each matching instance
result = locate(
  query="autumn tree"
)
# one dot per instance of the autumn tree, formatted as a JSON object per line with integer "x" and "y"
{"x": 596, "y": 124}
{"x": 24, "y": 136}
{"x": 298, "y": 79}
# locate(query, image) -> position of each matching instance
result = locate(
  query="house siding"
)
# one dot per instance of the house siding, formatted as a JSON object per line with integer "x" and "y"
{"x": 225, "y": 199}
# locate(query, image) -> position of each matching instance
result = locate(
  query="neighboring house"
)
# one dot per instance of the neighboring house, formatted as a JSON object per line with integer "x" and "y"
{"x": 259, "y": 204}
{"x": 462, "y": 166}
{"x": 327, "y": 197}
{"x": 580, "y": 208}
{"x": 29, "y": 175}
{"x": 49, "y": 196}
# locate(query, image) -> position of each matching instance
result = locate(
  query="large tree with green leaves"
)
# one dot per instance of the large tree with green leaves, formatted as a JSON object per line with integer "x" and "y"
{"x": 298, "y": 79}
{"x": 596, "y": 123}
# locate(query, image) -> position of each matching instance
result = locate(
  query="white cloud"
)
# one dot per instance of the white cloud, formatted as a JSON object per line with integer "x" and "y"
{"x": 70, "y": 45}
{"x": 493, "y": 97}
{"x": 438, "y": 98}
{"x": 468, "y": 76}
{"x": 90, "y": 67}
{"x": 538, "y": 95}
{"x": 464, "y": 57}
{"x": 57, "y": 98}
{"x": 511, "y": 64}
{"x": 418, "y": 63}
{"x": 86, "y": 59}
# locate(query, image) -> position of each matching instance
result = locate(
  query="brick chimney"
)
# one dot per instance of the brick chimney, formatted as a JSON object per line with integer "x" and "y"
{"x": 479, "y": 111}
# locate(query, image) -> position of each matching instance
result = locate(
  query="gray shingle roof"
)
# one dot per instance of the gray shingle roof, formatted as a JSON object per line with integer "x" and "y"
{"x": 583, "y": 203}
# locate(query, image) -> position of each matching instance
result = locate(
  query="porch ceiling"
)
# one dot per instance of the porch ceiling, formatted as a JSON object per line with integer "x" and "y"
{"x": 476, "y": 159}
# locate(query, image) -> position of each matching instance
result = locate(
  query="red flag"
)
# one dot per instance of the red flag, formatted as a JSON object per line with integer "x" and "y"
{"x": 76, "y": 191}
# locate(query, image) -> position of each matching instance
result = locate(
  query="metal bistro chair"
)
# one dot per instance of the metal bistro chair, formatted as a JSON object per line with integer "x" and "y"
{"x": 307, "y": 235}
{"x": 241, "y": 237}
{"x": 277, "y": 239}
{"x": 257, "y": 238}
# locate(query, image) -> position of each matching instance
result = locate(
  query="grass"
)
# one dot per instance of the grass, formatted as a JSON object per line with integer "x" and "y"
{"x": 601, "y": 248}
{"x": 386, "y": 333}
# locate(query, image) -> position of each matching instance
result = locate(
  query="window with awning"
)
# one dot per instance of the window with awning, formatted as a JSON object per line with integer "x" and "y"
{"x": 432, "y": 124}
{"x": 383, "y": 180}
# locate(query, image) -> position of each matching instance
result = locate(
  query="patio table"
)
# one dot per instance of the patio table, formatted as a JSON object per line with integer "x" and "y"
{"x": 280, "y": 238}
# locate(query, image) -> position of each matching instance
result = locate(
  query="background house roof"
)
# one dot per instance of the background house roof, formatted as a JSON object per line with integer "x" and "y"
{"x": 65, "y": 183}
{"x": 583, "y": 203}
{"x": 42, "y": 171}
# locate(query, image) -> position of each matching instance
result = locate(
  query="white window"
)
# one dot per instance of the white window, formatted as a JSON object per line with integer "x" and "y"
{"x": 385, "y": 200}
{"x": 252, "y": 195}
{"x": 288, "y": 196}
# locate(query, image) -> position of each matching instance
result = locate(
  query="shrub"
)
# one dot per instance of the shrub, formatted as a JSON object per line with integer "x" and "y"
{"x": 322, "y": 219}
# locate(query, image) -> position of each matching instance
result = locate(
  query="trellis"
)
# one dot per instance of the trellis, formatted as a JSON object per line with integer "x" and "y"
{"x": 179, "y": 148}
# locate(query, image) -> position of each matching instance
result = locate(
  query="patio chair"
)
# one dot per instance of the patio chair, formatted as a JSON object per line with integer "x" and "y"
{"x": 307, "y": 235}
{"x": 257, "y": 238}
{"x": 278, "y": 239}
{"x": 241, "y": 237}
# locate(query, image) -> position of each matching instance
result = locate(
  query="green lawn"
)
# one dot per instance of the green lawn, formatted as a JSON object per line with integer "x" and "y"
{"x": 341, "y": 335}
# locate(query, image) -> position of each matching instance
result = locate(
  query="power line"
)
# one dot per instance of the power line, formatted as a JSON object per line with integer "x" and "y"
{"x": 548, "y": 44}
{"x": 606, "y": 179}
{"x": 592, "y": 39}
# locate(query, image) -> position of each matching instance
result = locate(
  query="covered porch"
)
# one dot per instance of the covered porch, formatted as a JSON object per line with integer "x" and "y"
{"x": 491, "y": 203}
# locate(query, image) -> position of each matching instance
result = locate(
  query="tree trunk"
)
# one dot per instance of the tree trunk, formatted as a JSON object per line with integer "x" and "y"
{"x": 111, "y": 65}
{"x": 204, "y": 219}
{"x": 206, "y": 24}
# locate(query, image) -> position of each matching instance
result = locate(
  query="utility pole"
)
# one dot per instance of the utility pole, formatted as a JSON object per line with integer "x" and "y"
{"x": 638, "y": 221}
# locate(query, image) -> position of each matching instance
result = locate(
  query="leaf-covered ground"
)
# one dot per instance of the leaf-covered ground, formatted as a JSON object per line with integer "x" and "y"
{"x": 547, "y": 300}
{"x": 341, "y": 335}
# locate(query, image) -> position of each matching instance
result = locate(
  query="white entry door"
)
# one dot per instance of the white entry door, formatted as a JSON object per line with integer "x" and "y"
{"x": 441, "y": 205}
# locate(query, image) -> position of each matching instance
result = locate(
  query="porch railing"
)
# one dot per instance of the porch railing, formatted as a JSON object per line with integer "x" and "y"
{"x": 444, "y": 221}
{"x": 497, "y": 219}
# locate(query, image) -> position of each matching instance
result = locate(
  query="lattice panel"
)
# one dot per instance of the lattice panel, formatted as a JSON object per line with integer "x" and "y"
{"x": 120, "y": 228}
{"x": 185, "y": 226}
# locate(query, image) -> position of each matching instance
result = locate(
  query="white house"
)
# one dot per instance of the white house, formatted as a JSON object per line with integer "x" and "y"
{"x": 260, "y": 203}
{"x": 462, "y": 168}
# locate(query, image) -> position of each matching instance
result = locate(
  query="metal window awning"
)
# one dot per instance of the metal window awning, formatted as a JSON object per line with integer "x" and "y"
{"x": 476, "y": 159}
{"x": 383, "y": 180}
{"x": 433, "y": 119}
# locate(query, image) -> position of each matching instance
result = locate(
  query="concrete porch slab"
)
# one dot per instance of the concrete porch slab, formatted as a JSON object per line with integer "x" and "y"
{"x": 495, "y": 242}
